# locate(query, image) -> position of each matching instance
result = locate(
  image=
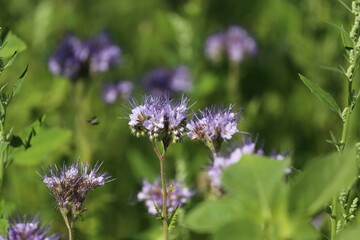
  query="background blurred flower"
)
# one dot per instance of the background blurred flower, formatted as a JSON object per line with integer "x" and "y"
{"x": 75, "y": 59}
{"x": 152, "y": 193}
{"x": 161, "y": 81}
{"x": 103, "y": 53}
{"x": 112, "y": 91}
{"x": 215, "y": 46}
{"x": 69, "y": 58}
{"x": 28, "y": 229}
{"x": 236, "y": 42}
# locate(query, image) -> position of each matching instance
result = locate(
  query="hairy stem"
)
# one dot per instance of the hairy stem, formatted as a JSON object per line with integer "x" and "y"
{"x": 69, "y": 224}
{"x": 163, "y": 183}
{"x": 343, "y": 144}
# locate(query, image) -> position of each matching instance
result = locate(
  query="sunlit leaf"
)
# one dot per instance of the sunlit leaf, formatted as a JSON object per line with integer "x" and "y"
{"x": 321, "y": 181}
{"x": 322, "y": 95}
{"x": 19, "y": 83}
{"x": 45, "y": 141}
{"x": 257, "y": 182}
{"x": 13, "y": 44}
{"x": 210, "y": 216}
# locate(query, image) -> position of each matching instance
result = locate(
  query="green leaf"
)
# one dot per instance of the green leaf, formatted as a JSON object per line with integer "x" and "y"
{"x": 347, "y": 42}
{"x": 44, "y": 142}
{"x": 333, "y": 69}
{"x": 24, "y": 138}
{"x": 140, "y": 165}
{"x": 13, "y": 44}
{"x": 157, "y": 210}
{"x": 3, "y": 146}
{"x": 243, "y": 229}
{"x": 257, "y": 181}
{"x": 11, "y": 60}
{"x": 352, "y": 232}
{"x": 19, "y": 83}
{"x": 339, "y": 28}
{"x": 321, "y": 181}
{"x": 322, "y": 95}
{"x": 172, "y": 219}
{"x": 4, "y": 225}
{"x": 345, "y": 5}
{"x": 210, "y": 216}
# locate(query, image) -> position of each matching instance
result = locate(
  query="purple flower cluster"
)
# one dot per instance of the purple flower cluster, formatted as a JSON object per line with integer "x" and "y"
{"x": 214, "y": 125}
{"x": 75, "y": 59}
{"x": 162, "y": 81}
{"x": 163, "y": 119}
{"x": 221, "y": 162}
{"x": 28, "y": 229}
{"x": 70, "y": 185}
{"x": 112, "y": 91}
{"x": 236, "y": 42}
{"x": 152, "y": 193}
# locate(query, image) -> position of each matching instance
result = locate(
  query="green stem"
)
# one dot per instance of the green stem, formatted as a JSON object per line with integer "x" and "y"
{"x": 343, "y": 144}
{"x": 234, "y": 87}
{"x": 2, "y": 169}
{"x": 82, "y": 141}
{"x": 333, "y": 218}
{"x": 68, "y": 224}
{"x": 163, "y": 182}
{"x": 3, "y": 156}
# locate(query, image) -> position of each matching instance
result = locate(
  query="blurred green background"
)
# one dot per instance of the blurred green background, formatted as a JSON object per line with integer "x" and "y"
{"x": 292, "y": 38}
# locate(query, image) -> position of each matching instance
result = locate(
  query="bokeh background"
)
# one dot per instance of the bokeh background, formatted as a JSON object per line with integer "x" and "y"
{"x": 292, "y": 37}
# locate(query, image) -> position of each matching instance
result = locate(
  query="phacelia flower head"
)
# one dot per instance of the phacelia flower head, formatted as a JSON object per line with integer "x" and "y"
{"x": 75, "y": 58}
{"x": 152, "y": 193}
{"x": 113, "y": 91}
{"x": 163, "y": 119}
{"x": 163, "y": 81}
{"x": 28, "y": 229}
{"x": 215, "y": 47}
{"x": 222, "y": 162}
{"x": 235, "y": 42}
{"x": 70, "y": 185}
{"x": 214, "y": 125}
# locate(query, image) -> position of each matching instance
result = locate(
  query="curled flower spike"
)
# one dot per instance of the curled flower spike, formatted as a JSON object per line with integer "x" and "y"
{"x": 151, "y": 193}
{"x": 26, "y": 229}
{"x": 235, "y": 42}
{"x": 163, "y": 119}
{"x": 75, "y": 59}
{"x": 70, "y": 185}
{"x": 214, "y": 125}
{"x": 221, "y": 162}
{"x": 162, "y": 81}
